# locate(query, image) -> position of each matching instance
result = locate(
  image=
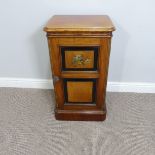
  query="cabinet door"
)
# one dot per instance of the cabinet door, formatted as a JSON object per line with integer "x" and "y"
{"x": 79, "y": 68}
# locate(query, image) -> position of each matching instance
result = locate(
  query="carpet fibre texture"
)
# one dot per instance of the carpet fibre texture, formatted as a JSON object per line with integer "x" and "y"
{"x": 28, "y": 126}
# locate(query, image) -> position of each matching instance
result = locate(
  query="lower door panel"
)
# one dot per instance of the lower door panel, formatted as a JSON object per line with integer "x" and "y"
{"x": 80, "y": 91}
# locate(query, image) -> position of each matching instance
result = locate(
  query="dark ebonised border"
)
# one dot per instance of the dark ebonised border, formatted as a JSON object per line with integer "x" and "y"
{"x": 80, "y": 80}
{"x": 87, "y": 49}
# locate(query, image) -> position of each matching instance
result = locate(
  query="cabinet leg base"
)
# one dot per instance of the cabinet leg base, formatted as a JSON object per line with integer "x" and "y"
{"x": 72, "y": 115}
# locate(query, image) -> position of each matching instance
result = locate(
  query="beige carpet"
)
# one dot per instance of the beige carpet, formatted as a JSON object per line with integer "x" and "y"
{"x": 28, "y": 126}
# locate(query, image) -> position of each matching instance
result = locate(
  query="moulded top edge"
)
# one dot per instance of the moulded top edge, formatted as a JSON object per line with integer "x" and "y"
{"x": 80, "y": 23}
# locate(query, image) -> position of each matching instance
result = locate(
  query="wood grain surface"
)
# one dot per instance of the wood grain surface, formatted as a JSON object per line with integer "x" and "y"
{"x": 79, "y": 91}
{"x": 62, "y": 23}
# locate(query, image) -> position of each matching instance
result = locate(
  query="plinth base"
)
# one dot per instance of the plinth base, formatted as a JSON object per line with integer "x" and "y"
{"x": 72, "y": 115}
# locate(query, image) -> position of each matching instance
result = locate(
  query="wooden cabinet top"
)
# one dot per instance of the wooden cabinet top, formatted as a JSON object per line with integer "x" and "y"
{"x": 79, "y": 23}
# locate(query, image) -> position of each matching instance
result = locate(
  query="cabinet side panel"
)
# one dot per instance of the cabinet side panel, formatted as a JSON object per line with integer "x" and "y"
{"x": 55, "y": 60}
{"x": 103, "y": 64}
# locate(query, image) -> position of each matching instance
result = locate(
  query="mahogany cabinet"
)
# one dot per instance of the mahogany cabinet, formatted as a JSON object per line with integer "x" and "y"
{"x": 79, "y": 47}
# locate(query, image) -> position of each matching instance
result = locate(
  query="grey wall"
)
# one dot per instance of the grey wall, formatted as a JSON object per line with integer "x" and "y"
{"x": 23, "y": 45}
